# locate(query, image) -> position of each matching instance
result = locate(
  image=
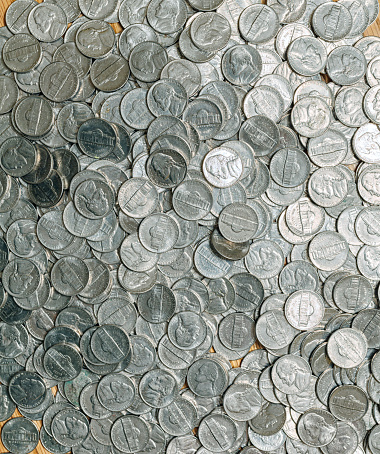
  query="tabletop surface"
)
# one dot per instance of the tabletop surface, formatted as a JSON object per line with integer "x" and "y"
{"x": 372, "y": 30}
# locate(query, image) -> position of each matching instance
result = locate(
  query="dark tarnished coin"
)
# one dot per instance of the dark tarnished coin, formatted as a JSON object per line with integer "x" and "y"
{"x": 33, "y": 116}
{"x": 166, "y": 168}
{"x": 18, "y": 156}
{"x": 27, "y": 389}
{"x": 348, "y": 403}
{"x": 96, "y": 138}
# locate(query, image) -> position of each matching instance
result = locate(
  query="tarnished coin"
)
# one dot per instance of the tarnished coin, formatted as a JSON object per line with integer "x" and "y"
{"x": 157, "y": 305}
{"x": 59, "y": 81}
{"x": 27, "y": 389}
{"x": 109, "y": 73}
{"x": 70, "y": 275}
{"x": 96, "y": 138}
{"x": 33, "y": 116}
{"x": 348, "y": 403}
{"x": 166, "y": 168}
{"x": 18, "y": 156}
{"x": 9, "y": 94}
{"x": 110, "y": 344}
{"x": 63, "y": 362}
{"x": 21, "y": 277}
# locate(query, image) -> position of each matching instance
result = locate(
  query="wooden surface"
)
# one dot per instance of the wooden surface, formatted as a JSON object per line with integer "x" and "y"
{"x": 374, "y": 29}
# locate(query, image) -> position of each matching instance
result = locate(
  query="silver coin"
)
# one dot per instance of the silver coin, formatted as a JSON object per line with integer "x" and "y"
{"x": 70, "y": 427}
{"x": 311, "y": 116}
{"x": 185, "y": 72}
{"x": 16, "y": 16}
{"x": 346, "y": 57}
{"x": 317, "y": 428}
{"x": 22, "y": 52}
{"x": 347, "y": 340}
{"x": 167, "y": 97}
{"x": 210, "y": 31}
{"x": 147, "y": 60}
{"x": 166, "y": 17}
{"x": 109, "y": 73}
{"x": 95, "y": 38}
{"x": 332, "y": 22}
{"x": 130, "y": 433}
{"x": 47, "y": 22}
{"x": 253, "y": 19}
{"x": 291, "y": 374}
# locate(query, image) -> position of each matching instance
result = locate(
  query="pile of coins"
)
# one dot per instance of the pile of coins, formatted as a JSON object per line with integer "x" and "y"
{"x": 170, "y": 195}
